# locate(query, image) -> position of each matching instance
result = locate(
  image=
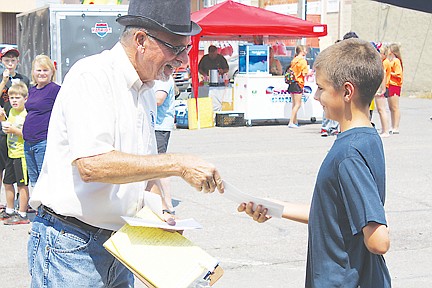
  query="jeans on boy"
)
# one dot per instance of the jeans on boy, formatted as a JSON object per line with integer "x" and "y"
{"x": 34, "y": 154}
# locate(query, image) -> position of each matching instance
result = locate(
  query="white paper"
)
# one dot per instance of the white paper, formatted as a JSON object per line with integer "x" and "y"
{"x": 154, "y": 202}
{"x": 184, "y": 224}
{"x": 237, "y": 196}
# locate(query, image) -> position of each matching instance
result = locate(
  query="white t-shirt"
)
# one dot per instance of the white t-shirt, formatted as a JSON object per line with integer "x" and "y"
{"x": 102, "y": 106}
{"x": 166, "y": 111}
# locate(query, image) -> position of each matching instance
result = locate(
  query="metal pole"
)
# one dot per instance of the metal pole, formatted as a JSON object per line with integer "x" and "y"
{"x": 301, "y": 13}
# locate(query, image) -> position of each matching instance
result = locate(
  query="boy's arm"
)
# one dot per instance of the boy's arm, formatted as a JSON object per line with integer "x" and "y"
{"x": 376, "y": 238}
{"x": 295, "y": 212}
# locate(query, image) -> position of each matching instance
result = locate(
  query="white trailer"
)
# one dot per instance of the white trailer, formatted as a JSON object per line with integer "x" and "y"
{"x": 67, "y": 33}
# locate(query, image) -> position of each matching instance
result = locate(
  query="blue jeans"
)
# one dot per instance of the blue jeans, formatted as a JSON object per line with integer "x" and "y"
{"x": 34, "y": 154}
{"x": 63, "y": 255}
{"x": 331, "y": 126}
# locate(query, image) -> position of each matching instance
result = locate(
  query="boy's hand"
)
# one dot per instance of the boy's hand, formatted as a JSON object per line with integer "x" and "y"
{"x": 6, "y": 74}
{"x": 7, "y": 130}
{"x": 2, "y": 113}
{"x": 259, "y": 215}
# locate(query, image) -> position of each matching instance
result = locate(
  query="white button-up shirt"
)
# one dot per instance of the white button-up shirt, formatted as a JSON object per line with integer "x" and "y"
{"x": 102, "y": 106}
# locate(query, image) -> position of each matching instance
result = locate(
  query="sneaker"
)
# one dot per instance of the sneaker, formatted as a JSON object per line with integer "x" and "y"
{"x": 334, "y": 133}
{"x": 293, "y": 125}
{"x": 324, "y": 133}
{"x": 16, "y": 219}
{"x": 4, "y": 215}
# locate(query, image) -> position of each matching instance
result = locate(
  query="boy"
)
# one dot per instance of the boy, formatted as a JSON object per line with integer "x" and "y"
{"x": 9, "y": 59}
{"x": 346, "y": 220}
{"x": 16, "y": 171}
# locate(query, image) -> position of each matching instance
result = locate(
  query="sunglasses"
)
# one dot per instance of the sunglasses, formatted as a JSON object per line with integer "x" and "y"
{"x": 177, "y": 50}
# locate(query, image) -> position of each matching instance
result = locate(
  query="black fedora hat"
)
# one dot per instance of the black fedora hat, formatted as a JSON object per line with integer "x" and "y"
{"x": 170, "y": 15}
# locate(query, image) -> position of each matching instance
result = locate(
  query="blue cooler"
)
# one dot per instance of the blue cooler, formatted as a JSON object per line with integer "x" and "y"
{"x": 181, "y": 116}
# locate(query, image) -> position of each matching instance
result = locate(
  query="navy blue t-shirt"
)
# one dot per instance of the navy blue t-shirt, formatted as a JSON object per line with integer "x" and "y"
{"x": 349, "y": 193}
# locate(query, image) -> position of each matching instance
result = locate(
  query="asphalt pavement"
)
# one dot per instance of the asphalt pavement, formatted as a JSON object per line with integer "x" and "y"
{"x": 277, "y": 162}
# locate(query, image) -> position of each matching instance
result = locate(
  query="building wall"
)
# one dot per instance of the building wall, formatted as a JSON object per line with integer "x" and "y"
{"x": 374, "y": 21}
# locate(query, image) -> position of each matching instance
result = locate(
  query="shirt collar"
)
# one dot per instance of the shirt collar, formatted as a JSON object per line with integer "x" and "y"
{"x": 126, "y": 68}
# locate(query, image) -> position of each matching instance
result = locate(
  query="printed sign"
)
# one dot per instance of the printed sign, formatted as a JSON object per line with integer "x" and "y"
{"x": 101, "y": 29}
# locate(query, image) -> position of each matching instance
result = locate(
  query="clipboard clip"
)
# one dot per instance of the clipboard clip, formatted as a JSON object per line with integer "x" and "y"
{"x": 214, "y": 275}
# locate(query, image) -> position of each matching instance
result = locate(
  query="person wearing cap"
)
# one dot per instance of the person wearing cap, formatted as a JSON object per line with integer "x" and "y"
{"x": 9, "y": 57}
{"x": 102, "y": 156}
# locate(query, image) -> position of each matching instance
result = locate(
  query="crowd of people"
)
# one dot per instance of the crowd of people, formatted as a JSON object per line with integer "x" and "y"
{"x": 25, "y": 113}
{"x": 387, "y": 95}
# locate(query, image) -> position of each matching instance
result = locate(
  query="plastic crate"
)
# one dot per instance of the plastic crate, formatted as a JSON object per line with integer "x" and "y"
{"x": 182, "y": 119}
{"x": 229, "y": 119}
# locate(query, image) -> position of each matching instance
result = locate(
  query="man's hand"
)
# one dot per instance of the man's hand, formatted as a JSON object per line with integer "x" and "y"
{"x": 200, "y": 174}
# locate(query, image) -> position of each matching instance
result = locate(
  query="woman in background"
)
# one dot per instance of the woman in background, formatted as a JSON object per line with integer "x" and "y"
{"x": 300, "y": 69}
{"x": 382, "y": 94}
{"x": 395, "y": 86}
{"x": 39, "y": 106}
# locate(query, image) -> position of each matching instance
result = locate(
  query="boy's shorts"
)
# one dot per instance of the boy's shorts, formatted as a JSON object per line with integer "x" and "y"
{"x": 394, "y": 91}
{"x": 16, "y": 172}
{"x": 3, "y": 152}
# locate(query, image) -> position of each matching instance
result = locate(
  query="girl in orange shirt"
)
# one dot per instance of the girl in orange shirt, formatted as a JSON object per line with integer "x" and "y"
{"x": 300, "y": 68}
{"x": 382, "y": 94}
{"x": 395, "y": 85}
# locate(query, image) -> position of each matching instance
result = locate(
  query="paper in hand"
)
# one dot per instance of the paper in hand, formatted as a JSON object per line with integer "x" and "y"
{"x": 154, "y": 203}
{"x": 184, "y": 224}
{"x": 237, "y": 196}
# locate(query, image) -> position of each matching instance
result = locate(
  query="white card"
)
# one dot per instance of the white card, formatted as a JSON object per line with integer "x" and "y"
{"x": 237, "y": 196}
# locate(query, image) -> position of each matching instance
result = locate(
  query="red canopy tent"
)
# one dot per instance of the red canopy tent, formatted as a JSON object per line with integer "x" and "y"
{"x": 237, "y": 20}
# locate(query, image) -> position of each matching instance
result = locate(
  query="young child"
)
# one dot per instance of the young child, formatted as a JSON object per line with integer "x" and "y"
{"x": 347, "y": 224}
{"x": 9, "y": 57}
{"x": 16, "y": 171}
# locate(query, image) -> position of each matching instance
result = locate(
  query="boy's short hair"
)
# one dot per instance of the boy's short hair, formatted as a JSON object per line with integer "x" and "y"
{"x": 354, "y": 61}
{"x": 19, "y": 88}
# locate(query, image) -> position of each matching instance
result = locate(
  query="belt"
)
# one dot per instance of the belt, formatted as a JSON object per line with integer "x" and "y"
{"x": 77, "y": 223}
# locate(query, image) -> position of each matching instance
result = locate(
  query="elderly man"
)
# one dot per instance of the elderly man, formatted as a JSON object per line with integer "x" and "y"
{"x": 101, "y": 156}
